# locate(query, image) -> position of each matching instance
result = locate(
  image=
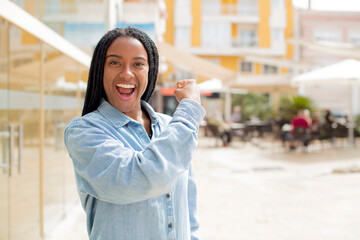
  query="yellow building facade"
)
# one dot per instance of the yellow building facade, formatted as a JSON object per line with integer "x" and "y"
{"x": 232, "y": 33}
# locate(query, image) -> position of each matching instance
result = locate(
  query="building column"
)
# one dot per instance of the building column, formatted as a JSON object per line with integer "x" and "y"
{"x": 227, "y": 104}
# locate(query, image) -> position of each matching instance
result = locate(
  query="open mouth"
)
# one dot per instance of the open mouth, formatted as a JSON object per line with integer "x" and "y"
{"x": 125, "y": 90}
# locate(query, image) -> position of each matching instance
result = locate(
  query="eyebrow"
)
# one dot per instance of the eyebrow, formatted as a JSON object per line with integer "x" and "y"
{"x": 117, "y": 56}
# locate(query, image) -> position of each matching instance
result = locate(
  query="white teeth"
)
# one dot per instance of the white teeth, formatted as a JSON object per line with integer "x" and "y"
{"x": 125, "y": 85}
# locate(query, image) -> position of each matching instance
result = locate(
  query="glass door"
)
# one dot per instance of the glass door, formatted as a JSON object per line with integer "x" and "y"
{"x": 4, "y": 133}
{"x": 62, "y": 92}
{"x": 40, "y": 92}
{"x": 23, "y": 120}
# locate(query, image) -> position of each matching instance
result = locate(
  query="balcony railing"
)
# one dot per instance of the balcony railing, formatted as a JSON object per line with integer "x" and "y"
{"x": 77, "y": 7}
{"x": 245, "y": 8}
{"x": 244, "y": 42}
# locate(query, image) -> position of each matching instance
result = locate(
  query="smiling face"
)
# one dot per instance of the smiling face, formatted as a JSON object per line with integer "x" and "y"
{"x": 126, "y": 74}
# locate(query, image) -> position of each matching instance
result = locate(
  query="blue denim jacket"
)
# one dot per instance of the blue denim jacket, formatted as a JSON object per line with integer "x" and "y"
{"x": 133, "y": 187}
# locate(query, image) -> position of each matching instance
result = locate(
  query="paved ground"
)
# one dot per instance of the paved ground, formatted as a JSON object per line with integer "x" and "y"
{"x": 260, "y": 191}
{"x": 247, "y": 193}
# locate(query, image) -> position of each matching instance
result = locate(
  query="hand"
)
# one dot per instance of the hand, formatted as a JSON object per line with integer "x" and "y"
{"x": 187, "y": 89}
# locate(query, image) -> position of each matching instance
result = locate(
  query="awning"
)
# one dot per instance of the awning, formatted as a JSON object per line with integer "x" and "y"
{"x": 330, "y": 48}
{"x": 265, "y": 83}
{"x": 345, "y": 72}
{"x": 193, "y": 63}
{"x": 215, "y": 85}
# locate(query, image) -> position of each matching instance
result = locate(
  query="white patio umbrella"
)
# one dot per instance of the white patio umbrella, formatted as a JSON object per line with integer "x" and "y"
{"x": 216, "y": 85}
{"x": 346, "y": 72}
{"x": 211, "y": 85}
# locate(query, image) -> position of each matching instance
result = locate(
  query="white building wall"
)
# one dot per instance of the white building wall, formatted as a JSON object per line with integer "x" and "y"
{"x": 336, "y": 27}
{"x": 277, "y": 22}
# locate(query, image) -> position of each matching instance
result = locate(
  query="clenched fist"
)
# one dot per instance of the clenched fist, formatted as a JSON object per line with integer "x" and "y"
{"x": 187, "y": 89}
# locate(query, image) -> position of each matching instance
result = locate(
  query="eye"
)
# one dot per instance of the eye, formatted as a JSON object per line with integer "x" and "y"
{"x": 114, "y": 63}
{"x": 139, "y": 64}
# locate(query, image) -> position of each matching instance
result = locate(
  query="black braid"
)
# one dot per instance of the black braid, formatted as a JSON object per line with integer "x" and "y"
{"x": 95, "y": 87}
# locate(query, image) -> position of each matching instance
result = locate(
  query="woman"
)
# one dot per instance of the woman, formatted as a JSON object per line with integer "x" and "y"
{"x": 133, "y": 166}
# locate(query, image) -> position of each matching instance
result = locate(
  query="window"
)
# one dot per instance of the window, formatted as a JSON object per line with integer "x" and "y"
{"x": 247, "y": 7}
{"x": 183, "y": 4}
{"x": 182, "y": 37}
{"x": 277, "y": 34}
{"x": 246, "y": 38}
{"x": 327, "y": 35}
{"x": 216, "y": 35}
{"x": 246, "y": 67}
{"x": 210, "y": 7}
{"x": 277, "y": 4}
{"x": 354, "y": 38}
{"x": 269, "y": 69}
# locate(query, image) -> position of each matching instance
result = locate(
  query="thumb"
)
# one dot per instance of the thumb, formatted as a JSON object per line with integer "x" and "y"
{"x": 183, "y": 83}
{"x": 180, "y": 84}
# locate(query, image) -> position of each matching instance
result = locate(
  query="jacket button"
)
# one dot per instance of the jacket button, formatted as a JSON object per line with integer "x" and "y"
{"x": 168, "y": 195}
{"x": 170, "y": 225}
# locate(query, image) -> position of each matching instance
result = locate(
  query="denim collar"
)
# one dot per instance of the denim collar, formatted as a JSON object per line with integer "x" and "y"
{"x": 119, "y": 119}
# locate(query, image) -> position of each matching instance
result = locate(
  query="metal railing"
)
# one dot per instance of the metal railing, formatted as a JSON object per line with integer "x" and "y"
{"x": 244, "y": 41}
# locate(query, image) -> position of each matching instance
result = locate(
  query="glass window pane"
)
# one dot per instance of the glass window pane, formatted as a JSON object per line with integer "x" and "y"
{"x": 182, "y": 37}
{"x": 24, "y": 95}
{"x": 63, "y": 90}
{"x": 327, "y": 35}
{"x": 4, "y": 147}
{"x": 246, "y": 67}
{"x": 210, "y": 33}
{"x": 269, "y": 69}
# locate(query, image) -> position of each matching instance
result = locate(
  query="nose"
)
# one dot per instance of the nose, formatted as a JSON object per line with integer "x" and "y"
{"x": 126, "y": 72}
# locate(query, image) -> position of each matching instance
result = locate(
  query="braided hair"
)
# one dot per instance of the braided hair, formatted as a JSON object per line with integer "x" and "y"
{"x": 95, "y": 87}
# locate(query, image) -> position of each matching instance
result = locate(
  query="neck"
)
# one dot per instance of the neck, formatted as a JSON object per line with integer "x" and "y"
{"x": 137, "y": 116}
{"x": 140, "y": 116}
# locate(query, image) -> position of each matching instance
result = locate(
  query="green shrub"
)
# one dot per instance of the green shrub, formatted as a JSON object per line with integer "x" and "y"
{"x": 357, "y": 125}
{"x": 253, "y": 104}
{"x": 291, "y": 104}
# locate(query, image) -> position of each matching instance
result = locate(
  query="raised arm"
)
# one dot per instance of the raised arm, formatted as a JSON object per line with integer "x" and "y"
{"x": 109, "y": 170}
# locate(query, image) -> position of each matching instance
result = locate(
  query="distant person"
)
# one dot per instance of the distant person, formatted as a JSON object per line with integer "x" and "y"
{"x": 315, "y": 125}
{"x": 236, "y": 115}
{"x": 301, "y": 120}
{"x": 223, "y": 127}
{"x": 133, "y": 166}
{"x": 330, "y": 125}
{"x": 307, "y": 116}
{"x": 329, "y": 118}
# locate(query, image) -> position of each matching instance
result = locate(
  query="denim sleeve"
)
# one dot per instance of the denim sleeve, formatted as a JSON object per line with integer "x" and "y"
{"x": 111, "y": 172}
{"x": 192, "y": 202}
